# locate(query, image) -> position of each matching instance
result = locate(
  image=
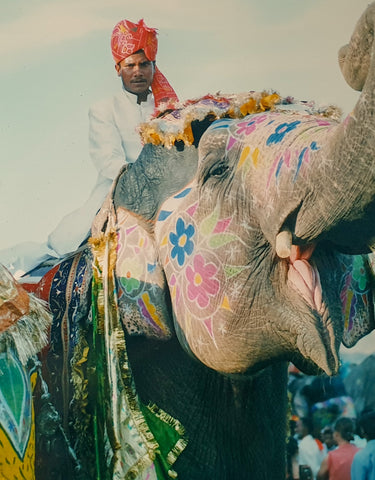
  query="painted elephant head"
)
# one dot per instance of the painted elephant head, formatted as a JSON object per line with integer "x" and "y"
{"x": 257, "y": 249}
{"x": 246, "y": 288}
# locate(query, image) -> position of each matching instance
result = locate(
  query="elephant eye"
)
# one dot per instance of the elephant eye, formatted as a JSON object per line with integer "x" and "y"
{"x": 215, "y": 168}
{"x": 218, "y": 170}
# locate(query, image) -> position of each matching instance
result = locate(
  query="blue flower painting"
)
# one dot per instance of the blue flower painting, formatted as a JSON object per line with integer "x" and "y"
{"x": 181, "y": 241}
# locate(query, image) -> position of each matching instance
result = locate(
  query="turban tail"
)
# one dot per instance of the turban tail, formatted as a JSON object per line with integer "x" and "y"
{"x": 128, "y": 38}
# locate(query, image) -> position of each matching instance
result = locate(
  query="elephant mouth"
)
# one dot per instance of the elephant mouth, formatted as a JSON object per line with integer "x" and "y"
{"x": 302, "y": 275}
{"x": 316, "y": 340}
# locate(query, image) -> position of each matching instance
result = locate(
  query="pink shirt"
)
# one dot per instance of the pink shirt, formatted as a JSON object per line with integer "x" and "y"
{"x": 340, "y": 461}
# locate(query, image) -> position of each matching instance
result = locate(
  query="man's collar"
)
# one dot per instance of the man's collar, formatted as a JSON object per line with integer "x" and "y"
{"x": 134, "y": 97}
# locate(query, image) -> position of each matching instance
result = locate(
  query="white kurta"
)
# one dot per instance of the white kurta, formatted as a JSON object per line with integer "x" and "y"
{"x": 309, "y": 454}
{"x": 113, "y": 141}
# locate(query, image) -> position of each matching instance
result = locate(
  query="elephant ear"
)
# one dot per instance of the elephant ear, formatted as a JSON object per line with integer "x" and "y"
{"x": 142, "y": 291}
{"x": 357, "y": 297}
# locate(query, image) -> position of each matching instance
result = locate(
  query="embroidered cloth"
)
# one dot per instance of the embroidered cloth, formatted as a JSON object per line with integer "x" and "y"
{"x": 132, "y": 441}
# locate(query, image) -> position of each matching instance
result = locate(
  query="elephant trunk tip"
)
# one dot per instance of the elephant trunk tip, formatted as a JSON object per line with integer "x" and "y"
{"x": 318, "y": 346}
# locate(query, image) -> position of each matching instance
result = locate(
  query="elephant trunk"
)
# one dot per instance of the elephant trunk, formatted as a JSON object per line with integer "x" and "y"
{"x": 345, "y": 203}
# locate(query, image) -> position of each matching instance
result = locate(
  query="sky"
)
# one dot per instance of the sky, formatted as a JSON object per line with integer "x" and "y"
{"x": 55, "y": 61}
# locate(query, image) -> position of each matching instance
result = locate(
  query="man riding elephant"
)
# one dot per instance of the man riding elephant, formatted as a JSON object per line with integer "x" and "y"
{"x": 114, "y": 140}
{"x": 113, "y": 123}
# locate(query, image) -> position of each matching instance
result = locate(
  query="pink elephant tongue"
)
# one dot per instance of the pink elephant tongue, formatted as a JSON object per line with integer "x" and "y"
{"x": 304, "y": 277}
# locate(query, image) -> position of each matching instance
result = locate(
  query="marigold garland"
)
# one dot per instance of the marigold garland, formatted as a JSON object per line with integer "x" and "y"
{"x": 175, "y": 124}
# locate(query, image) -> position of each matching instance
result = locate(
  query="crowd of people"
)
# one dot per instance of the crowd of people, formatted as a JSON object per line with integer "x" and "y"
{"x": 345, "y": 451}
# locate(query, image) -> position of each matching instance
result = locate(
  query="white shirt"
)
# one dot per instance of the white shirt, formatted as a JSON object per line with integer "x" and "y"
{"x": 309, "y": 454}
{"x": 113, "y": 141}
{"x": 113, "y": 131}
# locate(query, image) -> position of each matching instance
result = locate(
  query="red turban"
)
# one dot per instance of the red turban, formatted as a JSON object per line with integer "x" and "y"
{"x": 128, "y": 38}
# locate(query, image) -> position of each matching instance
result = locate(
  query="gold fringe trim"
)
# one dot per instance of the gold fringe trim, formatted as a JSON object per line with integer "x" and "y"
{"x": 267, "y": 102}
{"x": 166, "y": 418}
{"x": 138, "y": 468}
{"x": 99, "y": 246}
{"x": 176, "y": 451}
{"x": 181, "y": 444}
{"x": 104, "y": 250}
{"x": 151, "y": 134}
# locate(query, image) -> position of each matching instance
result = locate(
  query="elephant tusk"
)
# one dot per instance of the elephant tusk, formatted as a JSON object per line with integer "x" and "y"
{"x": 284, "y": 243}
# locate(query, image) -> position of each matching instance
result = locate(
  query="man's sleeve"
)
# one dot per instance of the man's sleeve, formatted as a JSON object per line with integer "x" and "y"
{"x": 358, "y": 469}
{"x": 105, "y": 145}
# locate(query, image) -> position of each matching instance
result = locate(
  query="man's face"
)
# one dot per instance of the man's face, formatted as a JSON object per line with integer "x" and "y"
{"x": 300, "y": 429}
{"x": 328, "y": 439}
{"x": 137, "y": 73}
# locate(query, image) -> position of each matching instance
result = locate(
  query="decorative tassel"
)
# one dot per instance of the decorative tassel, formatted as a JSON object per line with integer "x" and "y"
{"x": 26, "y": 317}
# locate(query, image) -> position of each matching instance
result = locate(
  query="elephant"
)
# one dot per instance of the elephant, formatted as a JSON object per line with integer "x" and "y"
{"x": 230, "y": 248}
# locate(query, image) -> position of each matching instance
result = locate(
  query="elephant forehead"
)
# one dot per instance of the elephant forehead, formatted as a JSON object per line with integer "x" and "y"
{"x": 271, "y": 134}
{"x": 273, "y": 128}
{"x": 215, "y": 136}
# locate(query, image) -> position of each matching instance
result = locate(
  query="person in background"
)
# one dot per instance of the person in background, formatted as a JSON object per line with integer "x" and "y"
{"x": 363, "y": 465}
{"x": 359, "y": 439}
{"x": 336, "y": 465}
{"x": 292, "y": 470}
{"x": 113, "y": 140}
{"x": 327, "y": 438}
{"x": 310, "y": 449}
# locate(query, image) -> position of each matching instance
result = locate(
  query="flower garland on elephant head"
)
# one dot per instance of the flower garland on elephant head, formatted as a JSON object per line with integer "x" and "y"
{"x": 173, "y": 123}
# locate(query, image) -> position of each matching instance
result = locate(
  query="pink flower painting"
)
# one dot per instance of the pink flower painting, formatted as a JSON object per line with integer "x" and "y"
{"x": 202, "y": 282}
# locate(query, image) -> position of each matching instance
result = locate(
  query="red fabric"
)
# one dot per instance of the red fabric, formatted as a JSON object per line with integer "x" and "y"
{"x": 127, "y": 38}
{"x": 320, "y": 444}
{"x": 30, "y": 287}
{"x": 42, "y": 289}
{"x": 340, "y": 461}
